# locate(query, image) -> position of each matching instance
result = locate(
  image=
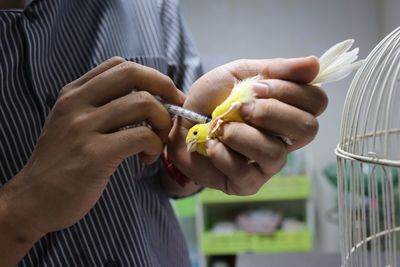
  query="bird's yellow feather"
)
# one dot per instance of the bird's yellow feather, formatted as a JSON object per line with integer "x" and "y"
{"x": 197, "y": 137}
{"x": 241, "y": 93}
{"x": 228, "y": 110}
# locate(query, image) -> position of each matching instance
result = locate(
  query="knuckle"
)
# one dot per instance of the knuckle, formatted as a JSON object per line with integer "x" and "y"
{"x": 246, "y": 192}
{"x": 64, "y": 103}
{"x": 235, "y": 190}
{"x": 214, "y": 151}
{"x": 310, "y": 125}
{"x": 283, "y": 89}
{"x": 323, "y": 102}
{"x": 277, "y": 165}
{"x": 128, "y": 69}
{"x": 278, "y": 61}
{"x": 145, "y": 133}
{"x": 277, "y": 158}
{"x": 230, "y": 132}
{"x": 150, "y": 139}
{"x": 79, "y": 122}
{"x": 270, "y": 107}
{"x": 88, "y": 150}
{"x": 280, "y": 153}
{"x": 144, "y": 96}
{"x": 144, "y": 99}
{"x": 238, "y": 62}
{"x": 319, "y": 100}
{"x": 66, "y": 89}
{"x": 239, "y": 66}
{"x": 169, "y": 83}
{"x": 116, "y": 60}
{"x": 251, "y": 187}
{"x": 252, "y": 191}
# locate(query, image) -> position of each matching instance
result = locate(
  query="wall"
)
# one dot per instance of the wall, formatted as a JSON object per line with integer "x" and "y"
{"x": 390, "y": 15}
{"x": 225, "y": 30}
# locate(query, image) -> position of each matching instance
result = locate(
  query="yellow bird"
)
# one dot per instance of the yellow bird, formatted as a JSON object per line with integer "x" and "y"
{"x": 197, "y": 137}
{"x": 335, "y": 64}
{"x": 227, "y": 111}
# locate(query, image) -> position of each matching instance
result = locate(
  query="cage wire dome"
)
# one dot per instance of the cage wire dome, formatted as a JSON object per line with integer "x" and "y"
{"x": 368, "y": 157}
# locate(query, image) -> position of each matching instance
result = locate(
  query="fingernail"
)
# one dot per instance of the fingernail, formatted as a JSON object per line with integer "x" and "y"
{"x": 211, "y": 143}
{"x": 247, "y": 109}
{"x": 262, "y": 88}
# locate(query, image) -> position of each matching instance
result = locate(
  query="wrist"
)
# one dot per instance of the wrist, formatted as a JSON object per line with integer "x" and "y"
{"x": 15, "y": 219}
{"x": 174, "y": 181}
{"x": 173, "y": 172}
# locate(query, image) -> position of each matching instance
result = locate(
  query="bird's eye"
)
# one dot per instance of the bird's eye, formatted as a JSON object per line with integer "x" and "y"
{"x": 195, "y": 132}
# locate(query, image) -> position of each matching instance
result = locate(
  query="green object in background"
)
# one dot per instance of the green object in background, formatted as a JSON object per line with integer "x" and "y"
{"x": 365, "y": 177}
{"x": 242, "y": 242}
{"x": 278, "y": 188}
{"x": 185, "y": 207}
{"x": 378, "y": 174}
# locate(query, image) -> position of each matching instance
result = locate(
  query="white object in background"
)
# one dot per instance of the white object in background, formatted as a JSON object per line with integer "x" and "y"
{"x": 292, "y": 225}
{"x": 224, "y": 228}
{"x": 262, "y": 221}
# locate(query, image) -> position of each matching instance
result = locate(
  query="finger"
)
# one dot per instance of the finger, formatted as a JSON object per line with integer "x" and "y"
{"x": 242, "y": 178}
{"x": 301, "y": 70}
{"x": 134, "y": 108}
{"x": 281, "y": 119}
{"x": 306, "y": 97}
{"x": 268, "y": 151}
{"x": 106, "y": 65}
{"x": 125, "y": 143}
{"x": 125, "y": 77}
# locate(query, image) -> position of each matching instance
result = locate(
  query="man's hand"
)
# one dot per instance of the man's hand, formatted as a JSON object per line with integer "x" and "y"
{"x": 285, "y": 106}
{"x": 80, "y": 146}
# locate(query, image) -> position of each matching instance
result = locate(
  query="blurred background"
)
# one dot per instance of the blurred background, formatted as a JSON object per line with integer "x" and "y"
{"x": 297, "y": 211}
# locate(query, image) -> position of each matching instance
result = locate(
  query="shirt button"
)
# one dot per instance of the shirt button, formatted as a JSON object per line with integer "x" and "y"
{"x": 30, "y": 14}
{"x": 113, "y": 264}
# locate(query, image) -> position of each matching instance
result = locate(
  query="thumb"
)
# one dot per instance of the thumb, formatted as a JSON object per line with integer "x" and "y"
{"x": 300, "y": 70}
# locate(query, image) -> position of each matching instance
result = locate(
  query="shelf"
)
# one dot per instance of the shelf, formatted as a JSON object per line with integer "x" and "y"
{"x": 185, "y": 207}
{"x": 278, "y": 188}
{"x": 241, "y": 242}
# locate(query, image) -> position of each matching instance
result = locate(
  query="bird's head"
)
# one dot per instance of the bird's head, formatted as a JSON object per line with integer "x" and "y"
{"x": 197, "y": 136}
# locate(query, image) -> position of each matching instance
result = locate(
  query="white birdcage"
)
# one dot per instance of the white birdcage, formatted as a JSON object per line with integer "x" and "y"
{"x": 368, "y": 157}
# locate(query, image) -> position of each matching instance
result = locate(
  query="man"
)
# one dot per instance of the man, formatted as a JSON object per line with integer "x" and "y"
{"x": 77, "y": 190}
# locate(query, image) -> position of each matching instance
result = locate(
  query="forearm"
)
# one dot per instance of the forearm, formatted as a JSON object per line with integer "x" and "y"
{"x": 16, "y": 235}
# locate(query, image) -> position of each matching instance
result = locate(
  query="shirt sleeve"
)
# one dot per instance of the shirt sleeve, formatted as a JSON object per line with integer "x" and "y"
{"x": 184, "y": 65}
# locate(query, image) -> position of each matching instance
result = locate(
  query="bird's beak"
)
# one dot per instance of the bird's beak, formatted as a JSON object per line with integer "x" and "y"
{"x": 192, "y": 146}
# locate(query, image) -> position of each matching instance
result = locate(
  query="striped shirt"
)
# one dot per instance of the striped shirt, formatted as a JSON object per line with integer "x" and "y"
{"x": 49, "y": 44}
